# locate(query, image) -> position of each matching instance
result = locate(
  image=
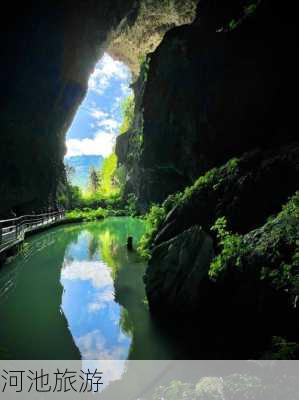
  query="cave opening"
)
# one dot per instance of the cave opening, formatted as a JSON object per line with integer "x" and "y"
{"x": 90, "y": 159}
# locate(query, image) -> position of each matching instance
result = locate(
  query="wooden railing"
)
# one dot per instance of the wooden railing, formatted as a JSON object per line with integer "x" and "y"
{"x": 12, "y": 231}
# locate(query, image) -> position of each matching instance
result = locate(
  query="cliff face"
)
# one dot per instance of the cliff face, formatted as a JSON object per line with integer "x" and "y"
{"x": 48, "y": 52}
{"x": 238, "y": 286}
{"x": 224, "y": 256}
{"x": 148, "y": 24}
{"x": 212, "y": 95}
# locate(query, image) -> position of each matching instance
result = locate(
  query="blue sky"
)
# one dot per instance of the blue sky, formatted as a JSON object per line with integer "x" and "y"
{"x": 98, "y": 119}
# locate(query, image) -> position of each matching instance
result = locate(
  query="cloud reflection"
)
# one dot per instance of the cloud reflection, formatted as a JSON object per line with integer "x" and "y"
{"x": 93, "y": 346}
{"x": 101, "y": 300}
{"x": 94, "y": 271}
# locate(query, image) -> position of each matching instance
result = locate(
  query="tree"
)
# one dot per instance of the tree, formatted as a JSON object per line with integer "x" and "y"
{"x": 70, "y": 172}
{"x": 70, "y": 197}
{"x": 93, "y": 180}
{"x": 108, "y": 185}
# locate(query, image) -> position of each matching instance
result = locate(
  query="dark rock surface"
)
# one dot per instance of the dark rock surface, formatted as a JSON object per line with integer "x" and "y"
{"x": 177, "y": 269}
{"x": 48, "y": 51}
{"x": 213, "y": 95}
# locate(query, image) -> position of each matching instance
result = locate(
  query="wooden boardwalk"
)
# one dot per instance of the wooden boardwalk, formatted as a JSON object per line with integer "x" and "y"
{"x": 13, "y": 231}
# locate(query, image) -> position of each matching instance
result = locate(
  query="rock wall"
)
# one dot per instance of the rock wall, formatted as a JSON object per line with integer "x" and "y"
{"x": 152, "y": 19}
{"x": 212, "y": 95}
{"x": 236, "y": 303}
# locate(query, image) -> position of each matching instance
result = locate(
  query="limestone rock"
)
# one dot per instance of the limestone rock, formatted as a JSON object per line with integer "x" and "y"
{"x": 178, "y": 269}
{"x": 211, "y": 96}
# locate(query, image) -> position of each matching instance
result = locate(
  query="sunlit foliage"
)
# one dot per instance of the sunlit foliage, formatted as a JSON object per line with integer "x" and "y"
{"x": 273, "y": 248}
{"x": 127, "y": 109}
{"x": 108, "y": 185}
{"x": 86, "y": 214}
{"x": 94, "y": 180}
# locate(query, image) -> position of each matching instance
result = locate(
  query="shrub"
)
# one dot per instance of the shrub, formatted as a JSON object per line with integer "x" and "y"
{"x": 131, "y": 206}
{"x": 273, "y": 249}
{"x": 108, "y": 185}
{"x": 153, "y": 219}
{"x": 231, "y": 245}
{"x": 127, "y": 108}
{"x": 86, "y": 214}
{"x": 209, "y": 181}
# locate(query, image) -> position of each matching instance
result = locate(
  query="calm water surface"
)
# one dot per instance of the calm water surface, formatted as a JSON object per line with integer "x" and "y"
{"x": 75, "y": 292}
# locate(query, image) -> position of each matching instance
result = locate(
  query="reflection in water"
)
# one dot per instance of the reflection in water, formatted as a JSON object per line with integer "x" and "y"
{"x": 78, "y": 293}
{"x": 88, "y": 301}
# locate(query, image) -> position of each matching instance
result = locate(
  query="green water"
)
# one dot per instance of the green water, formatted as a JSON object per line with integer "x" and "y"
{"x": 75, "y": 292}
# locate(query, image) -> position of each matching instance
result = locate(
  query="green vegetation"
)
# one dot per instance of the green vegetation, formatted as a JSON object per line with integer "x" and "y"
{"x": 153, "y": 220}
{"x": 283, "y": 350}
{"x": 248, "y": 11}
{"x": 107, "y": 187}
{"x": 283, "y": 236}
{"x": 210, "y": 181}
{"x": 108, "y": 182}
{"x": 70, "y": 197}
{"x": 251, "y": 9}
{"x": 144, "y": 68}
{"x": 86, "y": 214}
{"x": 231, "y": 244}
{"x": 127, "y": 107}
{"x": 131, "y": 206}
{"x": 93, "y": 180}
{"x": 273, "y": 249}
{"x": 234, "y": 24}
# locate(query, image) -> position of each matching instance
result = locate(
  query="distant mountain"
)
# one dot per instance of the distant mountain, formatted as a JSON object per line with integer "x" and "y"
{"x": 82, "y": 164}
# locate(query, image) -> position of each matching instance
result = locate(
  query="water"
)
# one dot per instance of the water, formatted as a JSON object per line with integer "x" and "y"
{"x": 75, "y": 292}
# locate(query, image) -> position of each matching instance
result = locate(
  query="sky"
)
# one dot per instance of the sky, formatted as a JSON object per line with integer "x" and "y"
{"x": 96, "y": 124}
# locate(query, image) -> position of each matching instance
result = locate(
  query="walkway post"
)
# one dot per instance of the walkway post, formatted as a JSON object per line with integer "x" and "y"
{"x": 130, "y": 243}
{"x": 0, "y": 233}
{"x": 16, "y": 228}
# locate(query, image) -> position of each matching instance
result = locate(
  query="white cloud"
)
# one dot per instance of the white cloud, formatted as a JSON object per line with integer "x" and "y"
{"x": 102, "y": 144}
{"x": 106, "y": 70}
{"x": 104, "y": 123}
{"x": 97, "y": 113}
{"x": 110, "y": 124}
